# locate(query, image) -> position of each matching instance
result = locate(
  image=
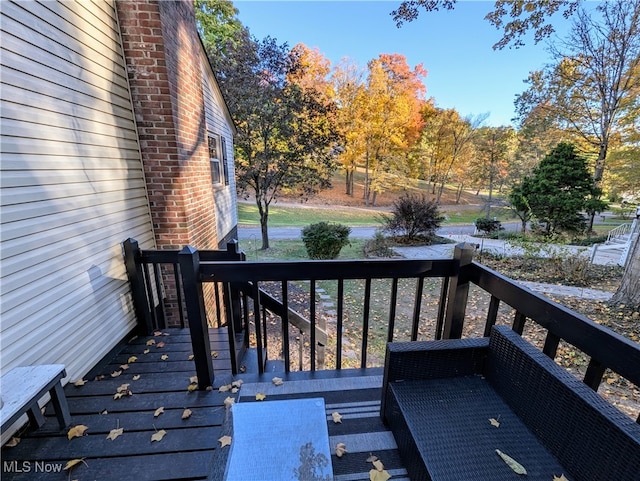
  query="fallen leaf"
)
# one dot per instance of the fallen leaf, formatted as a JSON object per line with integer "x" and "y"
{"x": 372, "y": 458}
{"x": 494, "y": 422}
{"x": 337, "y": 417}
{"x": 192, "y": 387}
{"x": 121, "y": 394}
{"x": 146, "y": 351}
{"x": 225, "y": 388}
{"x": 79, "y": 382}
{"x": 136, "y": 377}
{"x": 277, "y": 381}
{"x": 158, "y": 436}
{"x": 375, "y": 475}
{"x": 132, "y": 359}
{"x": 261, "y": 396}
{"x": 116, "y": 373}
{"x": 160, "y": 345}
{"x": 186, "y": 413}
{"x": 225, "y": 441}
{"x": 105, "y": 412}
{"x": 234, "y": 390}
{"x": 157, "y": 333}
{"x": 561, "y": 478}
{"x": 214, "y": 353}
{"x": 114, "y": 433}
{"x": 74, "y": 462}
{"x": 158, "y": 412}
{"x": 166, "y": 334}
{"x": 77, "y": 431}
{"x": 164, "y": 357}
{"x": 193, "y": 379}
{"x": 341, "y": 448}
{"x": 190, "y": 358}
{"x": 512, "y": 463}
{"x": 229, "y": 401}
{"x": 243, "y": 368}
{"x": 208, "y": 388}
{"x": 122, "y": 387}
{"x": 238, "y": 383}
{"x": 13, "y": 442}
{"x": 124, "y": 367}
{"x": 151, "y": 342}
{"x": 378, "y": 465}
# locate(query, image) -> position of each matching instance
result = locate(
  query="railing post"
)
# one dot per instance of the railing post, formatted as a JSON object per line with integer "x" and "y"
{"x": 458, "y": 293}
{"x": 189, "y": 260}
{"x": 234, "y": 291}
{"x": 136, "y": 280}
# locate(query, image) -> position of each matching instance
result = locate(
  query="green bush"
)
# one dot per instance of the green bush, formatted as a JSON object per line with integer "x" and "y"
{"x": 413, "y": 216}
{"x": 379, "y": 246}
{"x": 488, "y": 225}
{"x": 324, "y": 240}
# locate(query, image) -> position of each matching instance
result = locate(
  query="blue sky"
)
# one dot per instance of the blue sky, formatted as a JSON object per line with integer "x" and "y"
{"x": 464, "y": 72}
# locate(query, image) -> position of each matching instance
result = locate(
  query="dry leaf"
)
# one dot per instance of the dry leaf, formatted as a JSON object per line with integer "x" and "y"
{"x": 158, "y": 412}
{"x": 193, "y": 379}
{"x": 234, "y": 390}
{"x": 164, "y": 357}
{"x": 77, "y": 431}
{"x": 214, "y": 353}
{"x": 122, "y": 387}
{"x": 512, "y": 463}
{"x": 494, "y": 422}
{"x": 146, "y": 351}
{"x": 105, "y": 412}
{"x": 136, "y": 377}
{"x": 121, "y": 394}
{"x": 225, "y": 388}
{"x": 160, "y": 345}
{"x": 375, "y": 475}
{"x": 132, "y": 359}
{"x": 192, "y": 387}
{"x": 561, "y": 478}
{"x": 13, "y": 442}
{"x": 116, "y": 373}
{"x": 74, "y": 462}
{"x": 158, "y": 436}
{"x": 186, "y": 413}
{"x": 124, "y": 367}
{"x": 190, "y": 358}
{"x": 225, "y": 441}
{"x": 166, "y": 334}
{"x": 261, "y": 396}
{"x": 208, "y": 388}
{"x": 79, "y": 382}
{"x": 340, "y": 449}
{"x": 157, "y": 333}
{"x": 337, "y": 417}
{"x": 229, "y": 401}
{"x": 238, "y": 383}
{"x": 151, "y": 342}
{"x": 378, "y": 465}
{"x": 114, "y": 433}
{"x": 372, "y": 458}
{"x": 277, "y": 381}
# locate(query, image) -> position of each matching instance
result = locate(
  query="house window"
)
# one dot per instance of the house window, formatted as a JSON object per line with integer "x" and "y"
{"x": 225, "y": 164}
{"x": 214, "y": 158}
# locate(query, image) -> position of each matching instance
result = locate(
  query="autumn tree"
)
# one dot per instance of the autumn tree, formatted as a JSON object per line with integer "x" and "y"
{"x": 285, "y": 138}
{"x": 594, "y": 74}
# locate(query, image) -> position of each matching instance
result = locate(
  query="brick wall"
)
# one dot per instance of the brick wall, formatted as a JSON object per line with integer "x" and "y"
{"x": 162, "y": 55}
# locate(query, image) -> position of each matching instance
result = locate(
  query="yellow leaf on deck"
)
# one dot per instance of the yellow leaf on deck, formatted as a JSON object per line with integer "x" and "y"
{"x": 229, "y": 401}
{"x": 378, "y": 465}
{"x": 116, "y": 373}
{"x": 375, "y": 475}
{"x": 124, "y": 367}
{"x": 225, "y": 388}
{"x": 151, "y": 342}
{"x": 225, "y": 441}
{"x": 164, "y": 357}
{"x": 158, "y": 436}
{"x": 190, "y": 358}
{"x": 77, "y": 431}
{"x": 186, "y": 413}
{"x": 79, "y": 382}
{"x": 277, "y": 381}
{"x": 341, "y": 448}
{"x": 157, "y": 333}
{"x": 214, "y": 354}
{"x": 13, "y": 442}
{"x": 208, "y": 388}
{"x": 192, "y": 387}
{"x": 494, "y": 422}
{"x": 512, "y": 463}
{"x": 160, "y": 345}
{"x": 114, "y": 433}
{"x": 337, "y": 417}
{"x": 146, "y": 351}
{"x": 261, "y": 396}
{"x": 237, "y": 383}
{"x": 158, "y": 412}
{"x": 72, "y": 463}
{"x": 234, "y": 390}
{"x": 136, "y": 377}
{"x": 122, "y": 387}
{"x": 193, "y": 379}
{"x": 132, "y": 359}
{"x": 561, "y": 478}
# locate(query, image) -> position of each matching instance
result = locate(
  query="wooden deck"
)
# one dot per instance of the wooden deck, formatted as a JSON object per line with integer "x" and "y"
{"x": 190, "y": 449}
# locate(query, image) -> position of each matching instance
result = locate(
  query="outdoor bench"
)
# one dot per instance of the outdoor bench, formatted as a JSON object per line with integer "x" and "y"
{"x": 439, "y": 397}
{"x": 23, "y": 387}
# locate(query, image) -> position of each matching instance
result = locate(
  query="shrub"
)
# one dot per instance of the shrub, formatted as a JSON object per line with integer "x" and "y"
{"x": 324, "y": 240}
{"x": 488, "y": 225}
{"x": 413, "y": 216}
{"x": 379, "y": 246}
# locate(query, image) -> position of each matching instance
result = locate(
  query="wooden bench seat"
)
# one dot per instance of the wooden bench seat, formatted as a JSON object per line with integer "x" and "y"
{"x": 439, "y": 397}
{"x": 23, "y": 387}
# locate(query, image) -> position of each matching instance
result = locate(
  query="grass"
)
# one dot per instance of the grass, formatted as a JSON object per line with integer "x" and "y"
{"x": 294, "y": 249}
{"x": 290, "y": 216}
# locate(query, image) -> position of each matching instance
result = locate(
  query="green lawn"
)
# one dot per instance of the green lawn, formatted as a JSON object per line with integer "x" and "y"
{"x": 294, "y": 250}
{"x": 299, "y": 216}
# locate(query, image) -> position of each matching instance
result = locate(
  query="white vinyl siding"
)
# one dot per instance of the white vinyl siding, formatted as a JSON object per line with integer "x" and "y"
{"x": 220, "y": 124}
{"x": 72, "y": 184}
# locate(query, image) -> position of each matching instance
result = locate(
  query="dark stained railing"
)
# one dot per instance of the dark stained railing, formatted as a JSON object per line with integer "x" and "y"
{"x": 247, "y": 303}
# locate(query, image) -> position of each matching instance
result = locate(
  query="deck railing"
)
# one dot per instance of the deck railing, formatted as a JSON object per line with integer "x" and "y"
{"x": 604, "y": 348}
